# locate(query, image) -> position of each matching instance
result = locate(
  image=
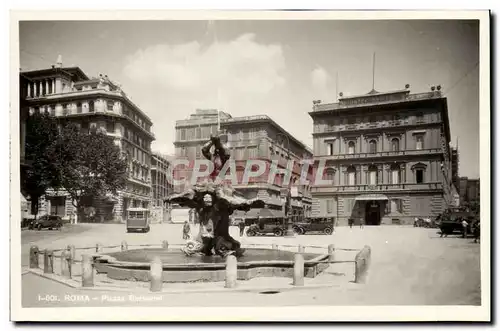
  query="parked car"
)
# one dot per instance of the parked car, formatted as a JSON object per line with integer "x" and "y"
{"x": 315, "y": 224}
{"x": 47, "y": 222}
{"x": 267, "y": 226}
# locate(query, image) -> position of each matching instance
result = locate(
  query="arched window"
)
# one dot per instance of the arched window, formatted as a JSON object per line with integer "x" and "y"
{"x": 373, "y": 146}
{"x": 91, "y": 106}
{"x": 372, "y": 175}
{"x": 330, "y": 175}
{"x": 351, "y": 147}
{"x": 395, "y": 144}
{"x": 395, "y": 174}
{"x": 79, "y": 108}
{"x": 351, "y": 176}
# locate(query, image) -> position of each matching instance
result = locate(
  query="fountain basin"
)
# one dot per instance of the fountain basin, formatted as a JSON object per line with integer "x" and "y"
{"x": 177, "y": 267}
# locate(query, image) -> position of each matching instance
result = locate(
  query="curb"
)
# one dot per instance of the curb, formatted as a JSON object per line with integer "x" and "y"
{"x": 76, "y": 285}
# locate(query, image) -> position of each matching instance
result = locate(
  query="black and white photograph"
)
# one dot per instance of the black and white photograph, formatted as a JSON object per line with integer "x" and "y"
{"x": 279, "y": 165}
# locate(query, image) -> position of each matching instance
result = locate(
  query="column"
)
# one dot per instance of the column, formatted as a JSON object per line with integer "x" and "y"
{"x": 53, "y": 85}
{"x": 35, "y": 89}
{"x": 29, "y": 89}
{"x": 46, "y": 86}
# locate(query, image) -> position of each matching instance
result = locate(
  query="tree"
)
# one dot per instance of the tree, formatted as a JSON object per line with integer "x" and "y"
{"x": 42, "y": 174}
{"x": 91, "y": 165}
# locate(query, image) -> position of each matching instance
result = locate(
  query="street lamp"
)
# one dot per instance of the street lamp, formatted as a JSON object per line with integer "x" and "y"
{"x": 288, "y": 202}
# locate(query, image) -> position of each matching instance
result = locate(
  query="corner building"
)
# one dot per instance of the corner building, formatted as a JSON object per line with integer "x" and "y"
{"x": 68, "y": 94}
{"x": 387, "y": 155}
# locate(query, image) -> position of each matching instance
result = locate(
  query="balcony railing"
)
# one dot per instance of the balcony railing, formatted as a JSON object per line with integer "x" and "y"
{"x": 381, "y": 154}
{"x": 318, "y": 129}
{"x": 378, "y": 187}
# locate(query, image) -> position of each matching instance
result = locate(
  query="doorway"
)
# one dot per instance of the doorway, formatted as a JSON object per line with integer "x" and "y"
{"x": 372, "y": 213}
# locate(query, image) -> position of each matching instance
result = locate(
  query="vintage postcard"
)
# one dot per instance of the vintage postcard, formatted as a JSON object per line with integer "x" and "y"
{"x": 256, "y": 166}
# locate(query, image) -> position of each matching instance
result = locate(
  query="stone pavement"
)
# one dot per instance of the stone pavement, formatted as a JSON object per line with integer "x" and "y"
{"x": 410, "y": 266}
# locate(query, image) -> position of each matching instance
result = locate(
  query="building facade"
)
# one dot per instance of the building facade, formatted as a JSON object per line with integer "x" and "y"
{"x": 253, "y": 137}
{"x": 96, "y": 104}
{"x": 469, "y": 190}
{"x": 160, "y": 183}
{"x": 386, "y": 157}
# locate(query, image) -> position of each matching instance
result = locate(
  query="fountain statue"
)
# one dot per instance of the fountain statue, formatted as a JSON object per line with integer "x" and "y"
{"x": 214, "y": 202}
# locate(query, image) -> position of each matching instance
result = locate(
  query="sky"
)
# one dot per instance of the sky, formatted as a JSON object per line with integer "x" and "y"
{"x": 171, "y": 68}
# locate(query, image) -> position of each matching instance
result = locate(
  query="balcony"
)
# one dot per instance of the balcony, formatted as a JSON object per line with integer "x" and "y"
{"x": 377, "y": 188}
{"x": 407, "y": 152}
{"x": 374, "y": 126}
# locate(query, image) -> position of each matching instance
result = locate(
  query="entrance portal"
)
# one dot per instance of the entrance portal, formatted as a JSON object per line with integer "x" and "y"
{"x": 372, "y": 213}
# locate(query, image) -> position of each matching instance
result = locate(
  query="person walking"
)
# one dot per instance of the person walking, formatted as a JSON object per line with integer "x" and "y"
{"x": 361, "y": 222}
{"x": 241, "y": 225}
{"x": 186, "y": 231}
{"x": 351, "y": 222}
{"x": 464, "y": 228}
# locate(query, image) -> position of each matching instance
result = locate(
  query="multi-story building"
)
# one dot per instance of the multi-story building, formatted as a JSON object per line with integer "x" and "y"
{"x": 386, "y": 157}
{"x": 253, "y": 137}
{"x": 160, "y": 183}
{"x": 469, "y": 190}
{"x": 96, "y": 104}
{"x": 454, "y": 167}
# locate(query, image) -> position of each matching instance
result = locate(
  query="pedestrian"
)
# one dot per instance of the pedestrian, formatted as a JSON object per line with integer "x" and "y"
{"x": 186, "y": 231}
{"x": 351, "y": 222}
{"x": 241, "y": 225}
{"x": 361, "y": 222}
{"x": 464, "y": 228}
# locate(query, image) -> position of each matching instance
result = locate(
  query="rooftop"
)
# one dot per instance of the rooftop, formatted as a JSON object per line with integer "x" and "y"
{"x": 375, "y": 98}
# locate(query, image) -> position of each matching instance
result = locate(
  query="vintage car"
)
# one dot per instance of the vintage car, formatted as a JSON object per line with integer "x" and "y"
{"x": 451, "y": 222}
{"x": 47, "y": 222}
{"x": 315, "y": 224}
{"x": 138, "y": 220}
{"x": 265, "y": 226}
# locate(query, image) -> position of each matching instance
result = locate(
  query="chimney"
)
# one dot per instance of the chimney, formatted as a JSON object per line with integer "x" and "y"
{"x": 59, "y": 61}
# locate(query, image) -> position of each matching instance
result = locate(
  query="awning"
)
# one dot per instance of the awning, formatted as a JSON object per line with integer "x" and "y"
{"x": 366, "y": 197}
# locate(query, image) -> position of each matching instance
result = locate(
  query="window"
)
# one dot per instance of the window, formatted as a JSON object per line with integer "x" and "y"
{"x": 372, "y": 119}
{"x": 198, "y": 133}
{"x": 91, "y": 106}
{"x": 110, "y": 105}
{"x": 419, "y": 142}
{"x": 183, "y": 134}
{"x": 395, "y": 174}
{"x": 395, "y": 205}
{"x": 373, "y": 146}
{"x": 329, "y": 149}
{"x": 110, "y": 127}
{"x": 395, "y": 144}
{"x": 395, "y": 117}
{"x": 329, "y": 206}
{"x": 351, "y": 147}
{"x": 79, "y": 108}
{"x": 329, "y": 174}
{"x": 372, "y": 175}
{"x": 419, "y": 176}
{"x": 351, "y": 176}
{"x": 351, "y": 120}
{"x": 420, "y": 118}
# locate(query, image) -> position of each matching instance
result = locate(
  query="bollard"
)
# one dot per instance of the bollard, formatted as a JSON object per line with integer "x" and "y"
{"x": 361, "y": 264}
{"x": 72, "y": 252}
{"x": 331, "y": 252}
{"x": 301, "y": 249}
{"x": 298, "y": 270}
{"x": 34, "y": 256}
{"x": 66, "y": 264}
{"x": 48, "y": 262}
{"x": 155, "y": 275}
{"x": 98, "y": 248}
{"x": 231, "y": 271}
{"x": 275, "y": 247}
{"x": 124, "y": 245}
{"x": 164, "y": 244}
{"x": 87, "y": 271}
